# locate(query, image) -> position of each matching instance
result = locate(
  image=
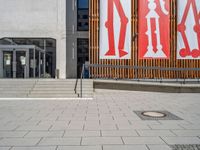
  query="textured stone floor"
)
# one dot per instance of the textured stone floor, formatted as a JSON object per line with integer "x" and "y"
{"x": 105, "y": 123}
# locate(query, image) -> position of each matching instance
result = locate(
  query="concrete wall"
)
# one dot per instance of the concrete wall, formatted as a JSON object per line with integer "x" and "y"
{"x": 39, "y": 19}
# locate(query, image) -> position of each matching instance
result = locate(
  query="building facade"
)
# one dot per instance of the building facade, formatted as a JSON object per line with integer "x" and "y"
{"x": 30, "y": 28}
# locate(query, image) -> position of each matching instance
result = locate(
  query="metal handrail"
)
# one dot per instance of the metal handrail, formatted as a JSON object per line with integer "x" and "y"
{"x": 75, "y": 87}
{"x": 139, "y": 67}
{"x": 76, "y": 84}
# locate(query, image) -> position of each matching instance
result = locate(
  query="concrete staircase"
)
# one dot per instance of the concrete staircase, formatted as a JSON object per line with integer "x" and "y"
{"x": 43, "y": 88}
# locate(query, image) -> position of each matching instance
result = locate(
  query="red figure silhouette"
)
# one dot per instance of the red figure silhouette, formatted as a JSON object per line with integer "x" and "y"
{"x": 181, "y": 28}
{"x": 110, "y": 26}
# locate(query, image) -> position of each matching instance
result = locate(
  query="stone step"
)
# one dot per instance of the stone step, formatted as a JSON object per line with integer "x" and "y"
{"x": 16, "y": 85}
{"x": 56, "y": 92}
{"x": 13, "y": 95}
{"x": 15, "y": 89}
{"x": 52, "y": 95}
{"x": 60, "y": 96}
{"x": 14, "y": 92}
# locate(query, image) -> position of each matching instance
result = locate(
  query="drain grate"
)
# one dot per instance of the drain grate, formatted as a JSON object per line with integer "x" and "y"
{"x": 156, "y": 115}
{"x": 185, "y": 147}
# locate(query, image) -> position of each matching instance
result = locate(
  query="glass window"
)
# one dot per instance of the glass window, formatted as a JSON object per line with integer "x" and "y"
{"x": 83, "y": 15}
{"x": 83, "y": 4}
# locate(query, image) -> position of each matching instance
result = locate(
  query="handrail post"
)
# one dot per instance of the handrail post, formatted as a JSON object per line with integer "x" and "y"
{"x": 81, "y": 90}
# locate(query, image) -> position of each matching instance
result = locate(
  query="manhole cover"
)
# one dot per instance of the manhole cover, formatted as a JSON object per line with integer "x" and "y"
{"x": 155, "y": 114}
{"x": 185, "y": 147}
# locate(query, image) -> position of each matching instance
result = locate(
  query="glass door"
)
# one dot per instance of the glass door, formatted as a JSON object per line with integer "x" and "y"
{"x": 20, "y": 64}
{"x": 7, "y": 64}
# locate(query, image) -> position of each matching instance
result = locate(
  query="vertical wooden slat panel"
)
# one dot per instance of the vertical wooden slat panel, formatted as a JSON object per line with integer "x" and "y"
{"x": 130, "y": 73}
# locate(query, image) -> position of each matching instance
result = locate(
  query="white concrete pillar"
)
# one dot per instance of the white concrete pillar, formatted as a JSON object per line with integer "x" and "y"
{"x": 1, "y": 64}
{"x": 61, "y": 58}
{"x": 61, "y": 39}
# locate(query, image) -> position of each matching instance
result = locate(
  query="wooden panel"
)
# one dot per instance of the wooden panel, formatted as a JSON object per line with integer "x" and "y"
{"x": 130, "y": 73}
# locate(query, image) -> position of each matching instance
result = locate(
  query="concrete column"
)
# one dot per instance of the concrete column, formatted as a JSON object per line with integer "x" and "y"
{"x": 61, "y": 57}
{"x": 27, "y": 63}
{"x": 44, "y": 58}
{"x": 1, "y": 64}
{"x": 61, "y": 38}
{"x": 39, "y": 64}
{"x": 34, "y": 67}
{"x": 14, "y": 64}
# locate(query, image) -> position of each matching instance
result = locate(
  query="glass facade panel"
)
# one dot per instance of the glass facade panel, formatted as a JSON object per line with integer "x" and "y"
{"x": 83, "y": 15}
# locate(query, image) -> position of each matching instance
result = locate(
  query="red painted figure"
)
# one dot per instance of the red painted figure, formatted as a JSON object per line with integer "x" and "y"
{"x": 187, "y": 51}
{"x": 110, "y": 26}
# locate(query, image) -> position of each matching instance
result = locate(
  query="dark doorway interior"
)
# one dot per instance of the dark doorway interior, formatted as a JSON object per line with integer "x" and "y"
{"x": 7, "y": 64}
{"x": 82, "y": 54}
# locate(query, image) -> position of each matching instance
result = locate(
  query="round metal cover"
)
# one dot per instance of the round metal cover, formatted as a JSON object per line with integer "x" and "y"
{"x": 154, "y": 114}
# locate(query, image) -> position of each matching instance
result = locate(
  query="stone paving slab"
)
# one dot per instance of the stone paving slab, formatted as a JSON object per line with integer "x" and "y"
{"x": 19, "y": 141}
{"x": 81, "y": 133}
{"x": 79, "y": 148}
{"x": 59, "y": 141}
{"x": 12, "y": 134}
{"x": 143, "y": 140}
{"x": 185, "y": 147}
{"x": 5, "y": 148}
{"x": 125, "y": 147}
{"x": 41, "y": 134}
{"x": 159, "y": 147}
{"x": 154, "y": 133}
{"x": 186, "y": 133}
{"x": 34, "y": 148}
{"x": 101, "y": 141}
{"x": 119, "y": 133}
{"x": 181, "y": 140}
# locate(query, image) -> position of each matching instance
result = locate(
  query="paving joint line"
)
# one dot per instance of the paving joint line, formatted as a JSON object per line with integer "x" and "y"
{"x": 137, "y": 132}
{"x": 101, "y": 135}
{"x": 63, "y": 134}
{"x": 164, "y": 140}
{"x": 37, "y": 144}
{"x": 26, "y": 134}
{"x": 11, "y": 148}
{"x": 122, "y": 140}
{"x": 81, "y": 141}
{"x": 147, "y": 147}
{"x": 56, "y": 147}
{"x": 173, "y": 132}
{"x": 51, "y": 126}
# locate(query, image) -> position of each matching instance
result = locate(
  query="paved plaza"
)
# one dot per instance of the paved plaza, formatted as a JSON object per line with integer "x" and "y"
{"x": 108, "y": 122}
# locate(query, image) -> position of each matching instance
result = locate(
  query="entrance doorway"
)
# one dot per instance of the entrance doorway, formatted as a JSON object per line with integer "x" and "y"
{"x": 14, "y": 64}
{"x": 27, "y": 58}
{"x": 20, "y": 64}
{"x": 7, "y": 64}
{"x": 24, "y": 61}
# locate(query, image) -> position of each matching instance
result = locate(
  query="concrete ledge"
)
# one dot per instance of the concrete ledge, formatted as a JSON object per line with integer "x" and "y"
{"x": 147, "y": 86}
